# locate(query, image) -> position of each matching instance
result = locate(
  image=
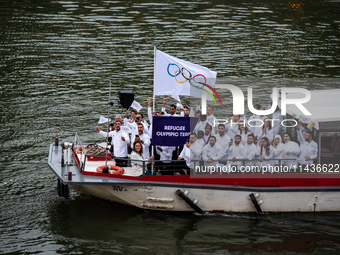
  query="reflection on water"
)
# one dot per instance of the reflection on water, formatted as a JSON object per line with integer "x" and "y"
{"x": 56, "y": 60}
{"x": 129, "y": 230}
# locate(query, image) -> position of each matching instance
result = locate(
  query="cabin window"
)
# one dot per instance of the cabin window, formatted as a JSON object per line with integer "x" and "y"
{"x": 329, "y": 147}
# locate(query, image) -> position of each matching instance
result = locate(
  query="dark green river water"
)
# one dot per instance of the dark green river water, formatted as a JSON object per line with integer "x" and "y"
{"x": 56, "y": 61}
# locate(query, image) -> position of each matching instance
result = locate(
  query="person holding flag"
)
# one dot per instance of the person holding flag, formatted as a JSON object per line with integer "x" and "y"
{"x": 119, "y": 142}
{"x": 134, "y": 125}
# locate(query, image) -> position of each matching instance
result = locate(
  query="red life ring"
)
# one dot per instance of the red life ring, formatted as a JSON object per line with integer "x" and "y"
{"x": 116, "y": 170}
{"x": 79, "y": 149}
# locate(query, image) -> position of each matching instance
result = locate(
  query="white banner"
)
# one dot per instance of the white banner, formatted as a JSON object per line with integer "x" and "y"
{"x": 174, "y": 76}
{"x": 136, "y": 105}
{"x": 102, "y": 120}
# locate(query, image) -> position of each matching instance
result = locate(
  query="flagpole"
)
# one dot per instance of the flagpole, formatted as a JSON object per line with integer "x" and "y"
{"x": 154, "y": 97}
{"x": 107, "y": 133}
{"x": 154, "y": 76}
{"x": 204, "y": 104}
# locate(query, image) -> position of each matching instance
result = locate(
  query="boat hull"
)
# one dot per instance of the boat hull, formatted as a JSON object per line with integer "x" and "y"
{"x": 216, "y": 200}
{"x": 227, "y": 193}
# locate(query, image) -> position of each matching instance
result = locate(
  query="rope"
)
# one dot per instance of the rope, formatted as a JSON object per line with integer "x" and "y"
{"x": 95, "y": 150}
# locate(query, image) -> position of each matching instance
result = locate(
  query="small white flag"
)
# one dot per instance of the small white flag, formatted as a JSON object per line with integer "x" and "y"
{"x": 125, "y": 129}
{"x": 176, "y": 98}
{"x": 136, "y": 105}
{"x": 304, "y": 119}
{"x": 180, "y": 106}
{"x": 102, "y": 120}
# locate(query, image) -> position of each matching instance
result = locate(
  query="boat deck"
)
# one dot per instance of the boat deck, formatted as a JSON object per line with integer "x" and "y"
{"x": 91, "y": 166}
{"x": 62, "y": 172}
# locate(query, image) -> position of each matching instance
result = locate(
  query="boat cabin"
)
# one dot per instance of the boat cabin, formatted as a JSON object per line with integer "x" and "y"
{"x": 324, "y": 122}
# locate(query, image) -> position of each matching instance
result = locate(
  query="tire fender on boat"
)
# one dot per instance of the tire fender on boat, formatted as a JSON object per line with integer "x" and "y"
{"x": 116, "y": 170}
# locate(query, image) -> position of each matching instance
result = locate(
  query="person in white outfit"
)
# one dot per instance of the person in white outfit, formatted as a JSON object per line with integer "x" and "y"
{"x": 195, "y": 150}
{"x": 291, "y": 151}
{"x": 266, "y": 131}
{"x": 265, "y": 153}
{"x": 277, "y": 119}
{"x": 144, "y": 139}
{"x": 172, "y": 109}
{"x": 222, "y": 139}
{"x": 207, "y": 134}
{"x": 202, "y": 123}
{"x": 236, "y": 152}
{"x": 277, "y": 150}
{"x": 309, "y": 148}
{"x": 210, "y": 116}
{"x": 199, "y": 139}
{"x": 165, "y": 153}
{"x": 182, "y": 166}
{"x": 304, "y": 127}
{"x": 186, "y": 112}
{"x": 243, "y": 132}
{"x": 137, "y": 159}
{"x": 212, "y": 152}
{"x": 119, "y": 141}
{"x": 232, "y": 126}
{"x": 250, "y": 151}
{"x": 255, "y": 121}
{"x": 133, "y": 116}
{"x": 133, "y": 125}
{"x": 191, "y": 153}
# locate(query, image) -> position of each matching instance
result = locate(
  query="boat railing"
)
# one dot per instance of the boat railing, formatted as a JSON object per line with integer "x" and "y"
{"x": 170, "y": 167}
{"x": 278, "y": 161}
{"x": 153, "y": 167}
{"x": 80, "y": 148}
{"x": 249, "y": 165}
{"x": 160, "y": 167}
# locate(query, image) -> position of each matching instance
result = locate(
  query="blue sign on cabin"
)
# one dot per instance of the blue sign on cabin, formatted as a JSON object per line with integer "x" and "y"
{"x": 172, "y": 131}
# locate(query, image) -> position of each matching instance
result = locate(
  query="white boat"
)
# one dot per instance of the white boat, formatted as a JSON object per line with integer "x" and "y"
{"x": 315, "y": 190}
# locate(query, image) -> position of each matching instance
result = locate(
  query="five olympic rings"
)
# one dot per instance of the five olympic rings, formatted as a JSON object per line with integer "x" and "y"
{"x": 186, "y": 74}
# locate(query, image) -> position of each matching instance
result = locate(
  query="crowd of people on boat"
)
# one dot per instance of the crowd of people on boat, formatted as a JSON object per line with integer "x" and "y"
{"x": 233, "y": 143}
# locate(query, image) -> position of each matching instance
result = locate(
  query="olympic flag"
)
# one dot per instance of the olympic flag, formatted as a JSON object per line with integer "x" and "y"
{"x": 174, "y": 76}
{"x": 102, "y": 120}
{"x": 136, "y": 105}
